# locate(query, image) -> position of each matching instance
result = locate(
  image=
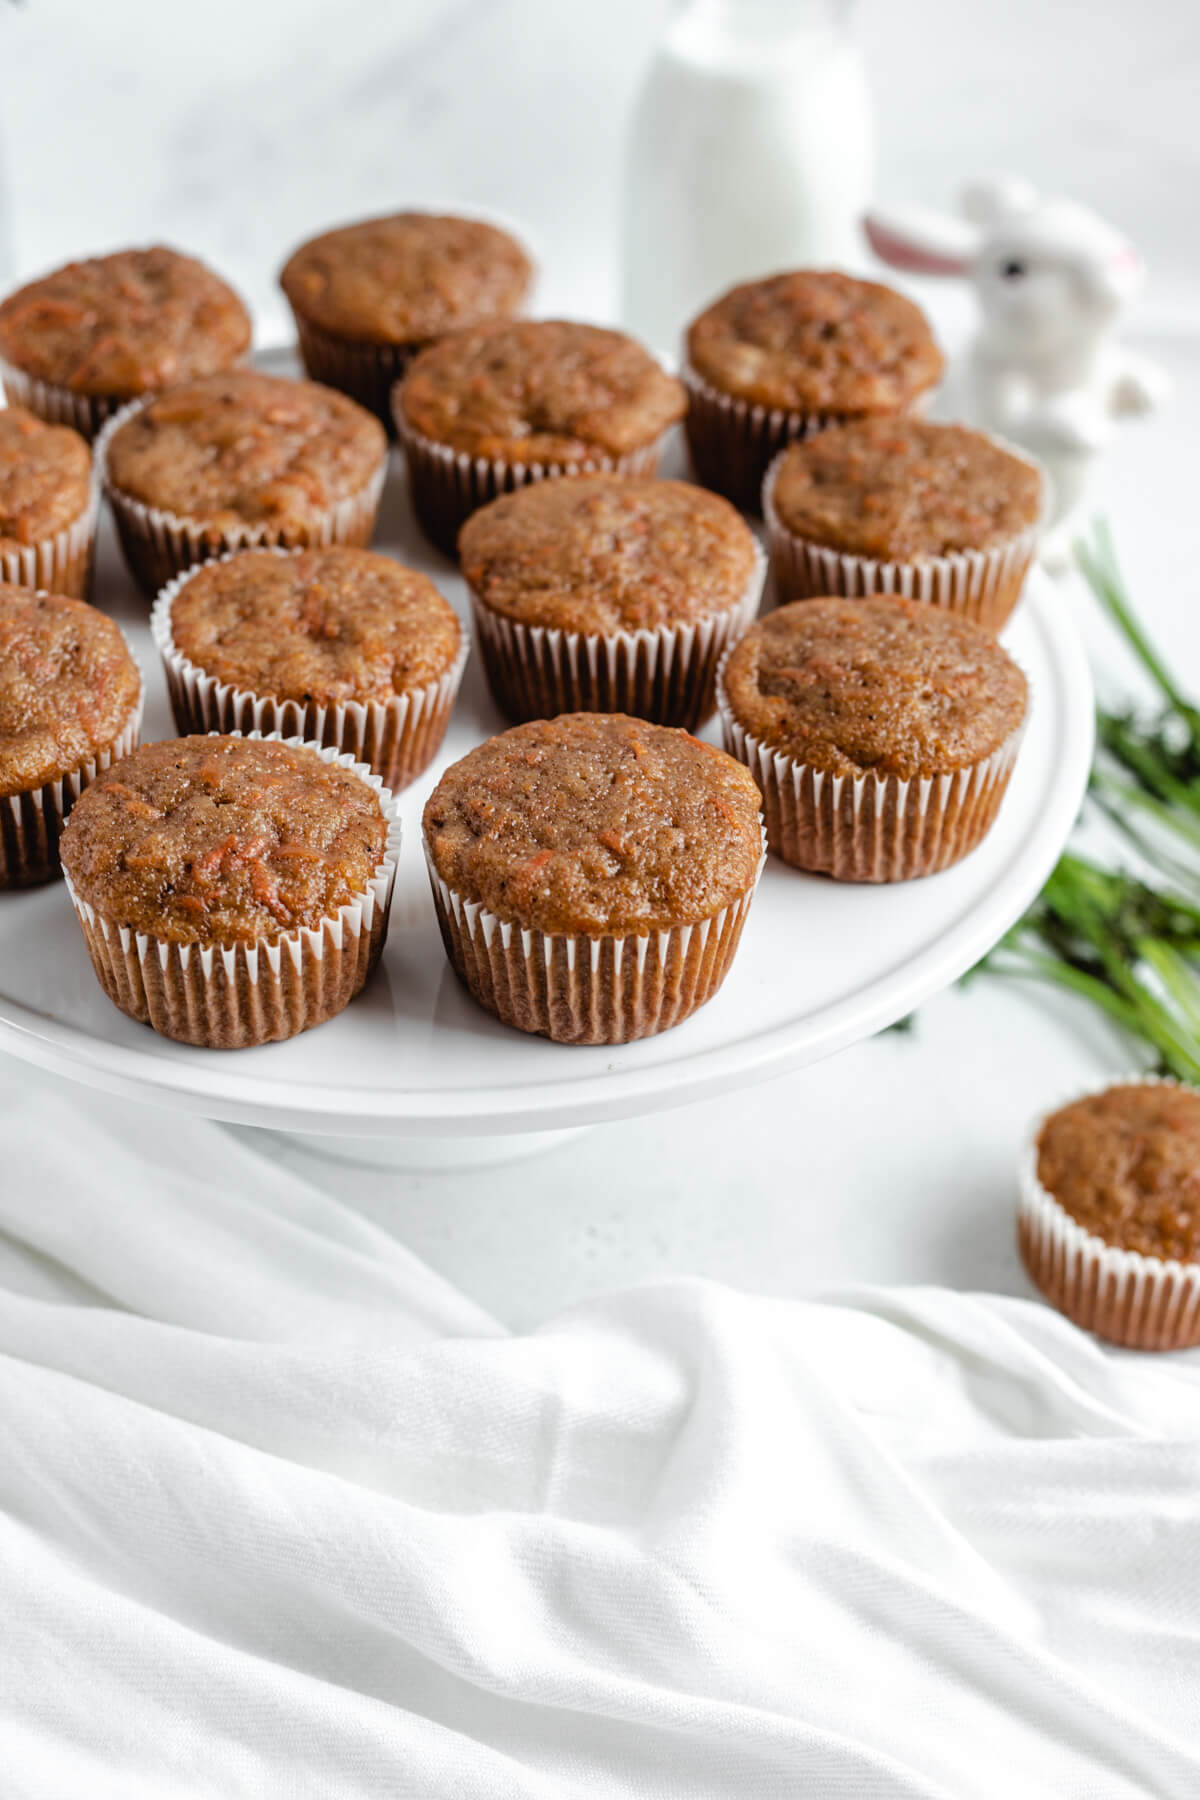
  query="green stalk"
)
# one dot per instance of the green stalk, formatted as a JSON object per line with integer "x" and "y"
{"x": 1098, "y": 561}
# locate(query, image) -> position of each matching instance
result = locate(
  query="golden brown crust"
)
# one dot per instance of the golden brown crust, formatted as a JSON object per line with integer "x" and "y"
{"x": 223, "y": 840}
{"x": 45, "y": 479}
{"x": 605, "y": 553}
{"x": 327, "y": 626}
{"x": 1125, "y": 1165}
{"x": 894, "y": 489}
{"x": 543, "y": 391}
{"x": 245, "y": 448}
{"x": 596, "y": 824}
{"x": 881, "y": 685}
{"x": 408, "y": 278}
{"x": 117, "y": 326}
{"x": 68, "y": 686}
{"x": 815, "y": 341}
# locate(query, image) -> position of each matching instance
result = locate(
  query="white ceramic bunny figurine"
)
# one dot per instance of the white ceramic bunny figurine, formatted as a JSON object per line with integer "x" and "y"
{"x": 1052, "y": 279}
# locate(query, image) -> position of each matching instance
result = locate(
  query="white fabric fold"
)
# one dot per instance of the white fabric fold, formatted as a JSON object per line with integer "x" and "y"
{"x": 283, "y": 1515}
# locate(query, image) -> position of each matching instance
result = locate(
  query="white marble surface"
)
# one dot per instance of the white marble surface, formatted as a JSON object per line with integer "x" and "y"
{"x": 235, "y": 128}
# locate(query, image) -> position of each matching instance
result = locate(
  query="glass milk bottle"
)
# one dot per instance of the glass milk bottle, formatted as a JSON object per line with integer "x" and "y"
{"x": 751, "y": 152}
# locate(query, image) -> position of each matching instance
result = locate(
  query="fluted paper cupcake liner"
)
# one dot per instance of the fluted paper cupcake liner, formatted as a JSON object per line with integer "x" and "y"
{"x": 367, "y": 372}
{"x": 31, "y": 823}
{"x": 396, "y": 738}
{"x": 61, "y": 563}
{"x": 666, "y": 675}
{"x": 232, "y": 997}
{"x": 159, "y": 545}
{"x": 1141, "y": 1302}
{"x": 86, "y": 413}
{"x": 982, "y": 585}
{"x": 448, "y": 485}
{"x": 581, "y": 989}
{"x": 870, "y": 827}
{"x": 733, "y": 443}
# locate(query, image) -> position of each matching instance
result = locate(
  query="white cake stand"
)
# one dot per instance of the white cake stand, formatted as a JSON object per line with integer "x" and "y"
{"x": 416, "y": 1068}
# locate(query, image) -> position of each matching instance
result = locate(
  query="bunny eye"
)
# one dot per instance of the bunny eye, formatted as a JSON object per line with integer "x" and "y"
{"x": 1012, "y": 271}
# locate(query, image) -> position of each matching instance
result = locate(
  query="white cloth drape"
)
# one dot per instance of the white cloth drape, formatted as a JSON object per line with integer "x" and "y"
{"x": 281, "y": 1514}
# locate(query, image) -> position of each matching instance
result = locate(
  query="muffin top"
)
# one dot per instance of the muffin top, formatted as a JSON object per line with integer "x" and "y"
{"x": 407, "y": 278}
{"x": 595, "y": 823}
{"x": 67, "y": 686}
{"x": 325, "y": 625}
{"x": 606, "y": 553}
{"x": 45, "y": 478}
{"x": 127, "y": 324}
{"x": 885, "y": 685}
{"x": 223, "y": 840}
{"x": 895, "y": 489}
{"x": 1125, "y": 1165}
{"x": 540, "y": 390}
{"x": 818, "y": 342}
{"x": 244, "y": 448}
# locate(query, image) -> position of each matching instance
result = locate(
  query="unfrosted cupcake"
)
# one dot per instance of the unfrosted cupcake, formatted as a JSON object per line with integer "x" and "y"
{"x": 609, "y": 593}
{"x": 80, "y": 343}
{"x": 70, "y": 704}
{"x": 368, "y": 296}
{"x": 782, "y": 358}
{"x": 1109, "y": 1221}
{"x": 881, "y": 732}
{"x": 592, "y": 874}
{"x": 937, "y": 513}
{"x": 47, "y": 505}
{"x": 487, "y": 411}
{"x": 338, "y": 646}
{"x": 232, "y": 891}
{"x": 238, "y": 460}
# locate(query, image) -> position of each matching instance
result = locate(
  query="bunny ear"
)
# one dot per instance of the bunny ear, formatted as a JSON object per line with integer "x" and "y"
{"x": 991, "y": 198}
{"x": 925, "y": 242}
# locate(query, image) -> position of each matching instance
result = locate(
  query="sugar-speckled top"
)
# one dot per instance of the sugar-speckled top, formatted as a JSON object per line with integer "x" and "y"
{"x": 68, "y": 686}
{"x": 605, "y": 553}
{"x": 407, "y": 278}
{"x": 883, "y": 685}
{"x": 816, "y": 341}
{"x": 596, "y": 823}
{"x": 1125, "y": 1165}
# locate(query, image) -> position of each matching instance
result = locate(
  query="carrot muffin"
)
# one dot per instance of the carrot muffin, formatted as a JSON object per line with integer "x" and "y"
{"x": 237, "y": 460}
{"x": 47, "y": 504}
{"x": 882, "y": 733}
{"x": 231, "y": 890}
{"x": 900, "y": 505}
{"x": 488, "y": 410}
{"x": 609, "y": 593}
{"x": 79, "y": 343}
{"x": 1109, "y": 1222}
{"x": 592, "y": 874}
{"x": 70, "y": 702}
{"x": 368, "y": 296}
{"x": 782, "y": 358}
{"x": 339, "y": 646}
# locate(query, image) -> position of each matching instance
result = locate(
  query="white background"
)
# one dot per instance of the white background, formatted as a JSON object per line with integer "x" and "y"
{"x": 235, "y": 128}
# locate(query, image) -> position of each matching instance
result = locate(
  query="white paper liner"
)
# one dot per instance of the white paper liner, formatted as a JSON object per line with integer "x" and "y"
{"x": 159, "y": 545}
{"x": 31, "y": 823}
{"x": 666, "y": 675}
{"x": 396, "y": 738}
{"x": 733, "y": 442}
{"x": 231, "y": 998}
{"x": 1141, "y": 1302}
{"x": 87, "y": 413}
{"x": 62, "y": 563}
{"x": 869, "y": 827}
{"x": 581, "y": 989}
{"x": 366, "y": 372}
{"x": 448, "y": 485}
{"x": 982, "y": 585}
